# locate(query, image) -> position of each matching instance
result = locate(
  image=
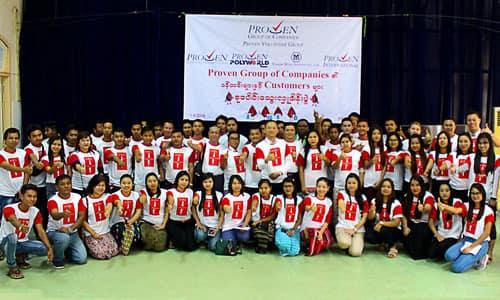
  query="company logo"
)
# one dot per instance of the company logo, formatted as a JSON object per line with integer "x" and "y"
{"x": 212, "y": 56}
{"x": 279, "y": 28}
{"x": 248, "y": 59}
{"x": 296, "y": 57}
{"x": 344, "y": 60}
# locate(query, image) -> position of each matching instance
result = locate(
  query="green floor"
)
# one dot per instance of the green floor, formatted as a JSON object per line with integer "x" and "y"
{"x": 202, "y": 275}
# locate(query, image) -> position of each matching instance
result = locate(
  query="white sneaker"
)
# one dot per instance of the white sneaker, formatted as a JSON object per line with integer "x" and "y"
{"x": 482, "y": 263}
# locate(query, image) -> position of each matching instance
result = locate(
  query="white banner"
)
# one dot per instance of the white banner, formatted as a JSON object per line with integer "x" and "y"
{"x": 271, "y": 67}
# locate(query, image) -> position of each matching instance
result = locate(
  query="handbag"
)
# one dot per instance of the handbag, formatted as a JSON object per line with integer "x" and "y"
{"x": 226, "y": 247}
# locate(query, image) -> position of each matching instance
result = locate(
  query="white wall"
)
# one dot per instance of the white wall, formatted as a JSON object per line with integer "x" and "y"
{"x": 10, "y": 26}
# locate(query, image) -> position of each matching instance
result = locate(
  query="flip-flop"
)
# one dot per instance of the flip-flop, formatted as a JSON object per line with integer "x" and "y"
{"x": 15, "y": 273}
{"x": 393, "y": 253}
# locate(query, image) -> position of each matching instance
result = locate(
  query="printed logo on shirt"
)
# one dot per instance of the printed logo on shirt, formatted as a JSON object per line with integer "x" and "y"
{"x": 15, "y": 162}
{"x": 237, "y": 210}
{"x": 265, "y": 211}
{"x": 346, "y": 164}
{"x": 290, "y": 213}
{"x": 123, "y": 157}
{"x": 149, "y": 158}
{"x": 350, "y": 210}
{"x": 319, "y": 215}
{"x": 472, "y": 225}
{"x": 384, "y": 214}
{"x": 178, "y": 161}
{"x": 154, "y": 206}
{"x": 389, "y": 168}
{"x": 461, "y": 162}
{"x": 277, "y": 156}
{"x": 127, "y": 207}
{"x": 293, "y": 151}
{"x": 90, "y": 165}
{"x": 214, "y": 157}
{"x": 182, "y": 206}
{"x": 447, "y": 224}
{"x": 316, "y": 163}
{"x": 99, "y": 211}
{"x": 481, "y": 177}
{"x": 240, "y": 166}
{"x": 208, "y": 208}
{"x": 22, "y": 235}
{"x": 413, "y": 209}
{"x": 71, "y": 219}
{"x": 378, "y": 164}
{"x": 106, "y": 161}
{"x": 439, "y": 164}
{"x": 254, "y": 164}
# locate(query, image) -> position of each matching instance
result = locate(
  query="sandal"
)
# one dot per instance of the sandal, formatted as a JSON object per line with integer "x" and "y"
{"x": 15, "y": 273}
{"x": 22, "y": 264}
{"x": 393, "y": 253}
{"x": 2, "y": 257}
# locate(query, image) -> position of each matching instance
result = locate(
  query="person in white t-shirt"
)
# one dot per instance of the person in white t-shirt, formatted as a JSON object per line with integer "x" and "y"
{"x": 289, "y": 209}
{"x": 17, "y": 221}
{"x": 205, "y": 211}
{"x": 445, "y": 222}
{"x": 472, "y": 249}
{"x": 99, "y": 241}
{"x": 66, "y": 215}
{"x": 386, "y": 213}
{"x": 180, "y": 225}
{"x": 54, "y": 163}
{"x": 237, "y": 210}
{"x": 263, "y": 215}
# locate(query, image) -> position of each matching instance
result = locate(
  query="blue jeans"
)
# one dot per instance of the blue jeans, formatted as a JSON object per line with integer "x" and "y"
{"x": 50, "y": 190}
{"x": 200, "y": 236}
{"x": 62, "y": 242}
{"x": 11, "y": 247}
{"x": 236, "y": 235}
{"x": 462, "y": 262}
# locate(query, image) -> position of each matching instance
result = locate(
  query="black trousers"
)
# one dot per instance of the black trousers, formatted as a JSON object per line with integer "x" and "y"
{"x": 182, "y": 234}
{"x": 388, "y": 235}
{"x": 418, "y": 241}
{"x": 437, "y": 249}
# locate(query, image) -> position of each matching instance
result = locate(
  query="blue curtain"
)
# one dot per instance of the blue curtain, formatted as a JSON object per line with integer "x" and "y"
{"x": 83, "y": 60}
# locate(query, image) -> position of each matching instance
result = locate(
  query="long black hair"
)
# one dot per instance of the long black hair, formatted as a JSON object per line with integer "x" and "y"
{"x": 470, "y": 212}
{"x": 379, "y": 198}
{"x": 178, "y": 177}
{"x": 358, "y": 195}
{"x": 471, "y": 147}
{"x": 50, "y": 154}
{"x": 409, "y": 198}
{"x": 307, "y": 146}
{"x": 450, "y": 202}
{"x": 94, "y": 181}
{"x": 238, "y": 178}
{"x": 203, "y": 197}
{"x": 490, "y": 163}
{"x": 421, "y": 153}
{"x": 437, "y": 149}
{"x": 148, "y": 190}
{"x": 379, "y": 144}
{"x": 389, "y": 135}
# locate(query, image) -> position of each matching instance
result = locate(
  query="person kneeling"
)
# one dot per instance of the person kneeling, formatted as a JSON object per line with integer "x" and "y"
{"x": 17, "y": 221}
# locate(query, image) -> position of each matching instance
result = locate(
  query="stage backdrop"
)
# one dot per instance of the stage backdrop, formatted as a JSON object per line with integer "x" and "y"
{"x": 271, "y": 67}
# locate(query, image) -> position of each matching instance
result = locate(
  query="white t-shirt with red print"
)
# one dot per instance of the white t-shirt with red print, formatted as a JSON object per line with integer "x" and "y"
{"x": 11, "y": 182}
{"x": 265, "y": 207}
{"x": 350, "y": 164}
{"x": 234, "y": 166}
{"x": 462, "y": 164}
{"x": 428, "y": 198}
{"x": 281, "y": 163}
{"x": 353, "y": 211}
{"x": 212, "y": 158}
{"x": 322, "y": 215}
{"x": 287, "y": 216}
{"x": 295, "y": 147}
{"x": 448, "y": 227}
{"x": 96, "y": 216}
{"x": 395, "y": 173}
{"x": 490, "y": 180}
{"x": 153, "y": 210}
{"x": 129, "y": 205}
{"x": 252, "y": 171}
{"x": 39, "y": 152}
{"x": 180, "y": 158}
{"x": 443, "y": 159}
{"x": 239, "y": 207}
{"x": 73, "y": 203}
{"x": 208, "y": 215}
{"x": 420, "y": 169}
{"x": 314, "y": 168}
{"x": 373, "y": 173}
{"x": 388, "y": 214}
{"x": 148, "y": 164}
{"x": 27, "y": 218}
{"x": 51, "y": 178}
{"x": 181, "y": 208}
{"x": 90, "y": 162}
{"x": 475, "y": 228}
{"x": 115, "y": 171}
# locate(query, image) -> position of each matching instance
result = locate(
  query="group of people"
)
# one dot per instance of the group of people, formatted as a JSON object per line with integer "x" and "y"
{"x": 287, "y": 186}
